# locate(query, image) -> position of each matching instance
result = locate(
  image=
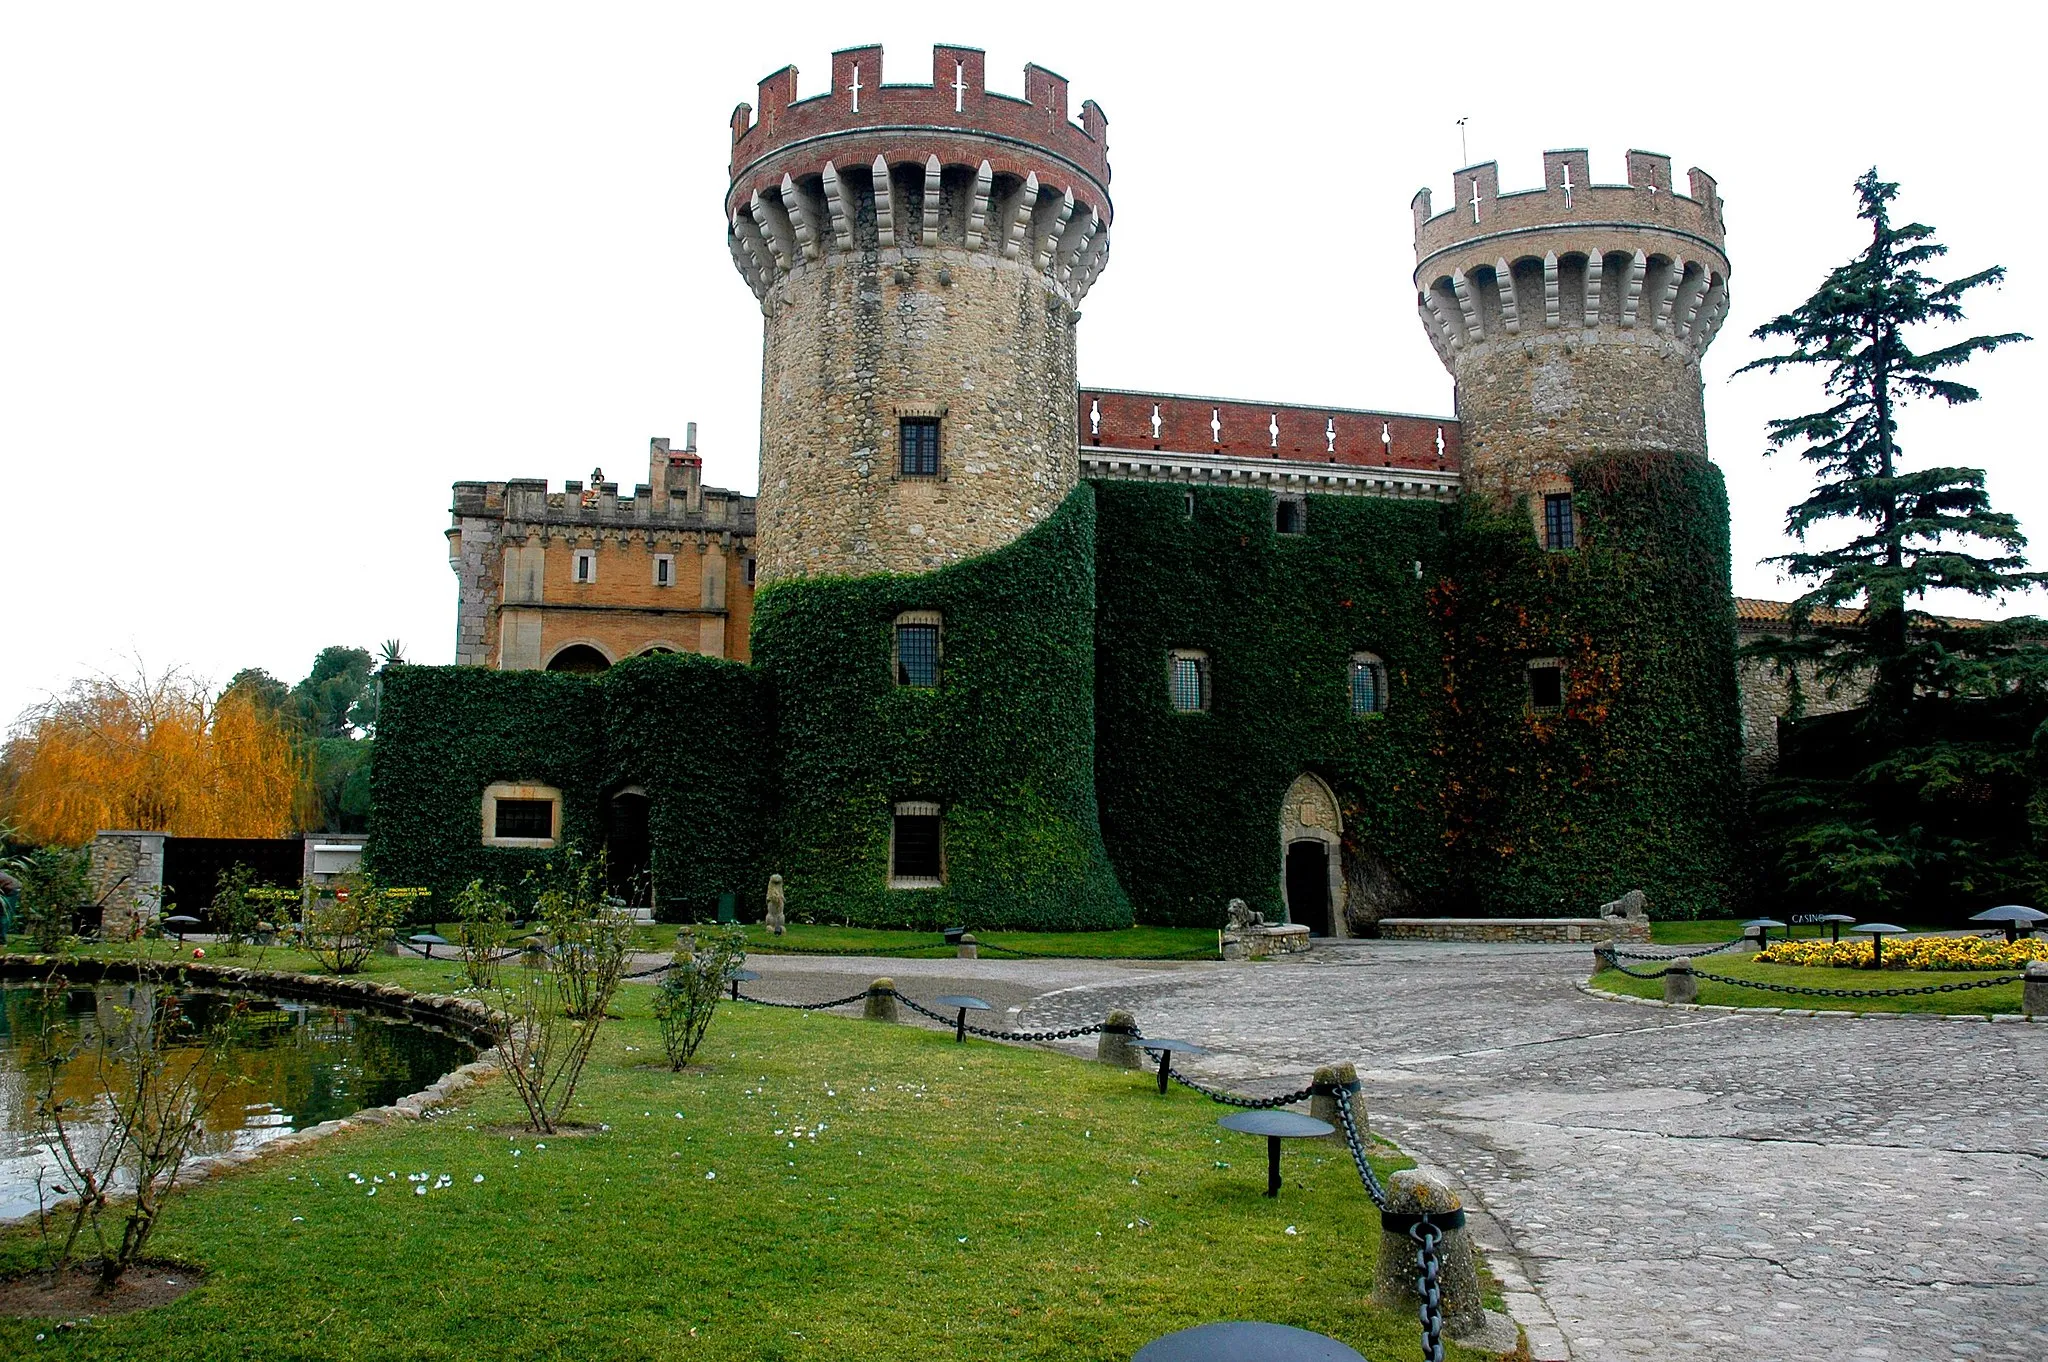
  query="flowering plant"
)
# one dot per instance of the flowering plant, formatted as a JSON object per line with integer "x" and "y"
{"x": 1919, "y": 952}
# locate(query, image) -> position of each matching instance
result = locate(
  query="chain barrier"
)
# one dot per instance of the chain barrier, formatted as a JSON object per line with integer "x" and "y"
{"x": 802, "y": 1007}
{"x": 1711, "y": 950}
{"x": 1230, "y": 1099}
{"x": 1428, "y": 1265}
{"x": 1861, "y": 992}
{"x": 1349, "y": 1120}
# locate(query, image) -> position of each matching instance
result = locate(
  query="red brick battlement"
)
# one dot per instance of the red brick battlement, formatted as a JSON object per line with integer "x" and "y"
{"x": 1112, "y": 419}
{"x": 956, "y": 114}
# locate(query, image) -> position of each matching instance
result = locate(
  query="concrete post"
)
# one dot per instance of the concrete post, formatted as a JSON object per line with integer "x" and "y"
{"x": 2034, "y": 991}
{"x": 1679, "y": 984}
{"x": 967, "y": 949}
{"x": 1601, "y": 957}
{"x": 1115, "y": 1045}
{"x": 881, "y": 1002}
{"x": 1414, "y": 1192}
{"x": 1339, "y": 1080}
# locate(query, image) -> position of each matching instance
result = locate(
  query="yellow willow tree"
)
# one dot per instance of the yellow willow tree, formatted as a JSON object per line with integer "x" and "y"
{"x": 156, "y": 753}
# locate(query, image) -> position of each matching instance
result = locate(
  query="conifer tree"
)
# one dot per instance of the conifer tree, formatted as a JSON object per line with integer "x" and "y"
{"x": 1913, "y": 531}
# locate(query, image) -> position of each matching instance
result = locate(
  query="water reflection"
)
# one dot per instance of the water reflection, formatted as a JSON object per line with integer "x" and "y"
{"x": 300, "y": 1063}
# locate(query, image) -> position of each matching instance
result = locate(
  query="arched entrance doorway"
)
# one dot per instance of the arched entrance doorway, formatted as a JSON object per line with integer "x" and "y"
{"x": 1311, "y": 857}
{"x": 628, "y": 850}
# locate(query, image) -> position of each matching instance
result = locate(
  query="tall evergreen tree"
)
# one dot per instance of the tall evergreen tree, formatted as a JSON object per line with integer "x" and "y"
{"x": 1914, "y": 531}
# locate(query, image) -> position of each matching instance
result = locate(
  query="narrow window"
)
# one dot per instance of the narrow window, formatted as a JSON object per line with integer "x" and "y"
{"x": 1187, "y": 506}
{"x": 916, "y": 853}
{"x": 586, "y": 565}
{"x": 1546, "y": 683}
{"x": 750, "y": 572}
{"x": 525, "y": 818}
{"x": 917, "y": 649}
{"x": 1188, "y": 680}
{"x": 1368, "y": 684}
{"x": 919, "y": 441}
{"x": 1557, "y": 521}
{"x": 1290, "y": 515}
{"x": 664, "y": 569}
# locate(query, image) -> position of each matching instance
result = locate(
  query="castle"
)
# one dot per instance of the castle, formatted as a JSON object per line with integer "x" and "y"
{"x": 1029, "y": 654}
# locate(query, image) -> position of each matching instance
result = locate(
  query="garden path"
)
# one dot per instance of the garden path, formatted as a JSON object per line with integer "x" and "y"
{"x": 1676, "y": 1184}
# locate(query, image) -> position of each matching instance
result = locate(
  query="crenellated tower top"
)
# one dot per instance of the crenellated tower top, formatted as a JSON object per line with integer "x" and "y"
{"x": 868, "y": 166}
{"x": 1642, "y": 256}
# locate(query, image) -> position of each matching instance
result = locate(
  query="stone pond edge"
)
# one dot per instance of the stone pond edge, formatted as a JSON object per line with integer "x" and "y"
{"x": 1607, "y": 995}
{"x": 463, "y": 1015}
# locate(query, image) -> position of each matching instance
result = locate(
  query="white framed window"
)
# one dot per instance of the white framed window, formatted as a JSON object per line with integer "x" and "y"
{"x": 664, "y": 569}
{"x": 914, "y": 656}
{"x": 917, "y": 852}
{"x": 516, "y": 815}
{"x": 1187, "y": 680}
{"x": 1546, "y": 683}
{"x": 583, "y": 568}
{"x": 1368, "y": 684}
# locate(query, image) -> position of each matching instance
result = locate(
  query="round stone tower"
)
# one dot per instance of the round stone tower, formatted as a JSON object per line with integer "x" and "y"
{"x": 1573, "y": 317}
{"x": 920, "y": 253}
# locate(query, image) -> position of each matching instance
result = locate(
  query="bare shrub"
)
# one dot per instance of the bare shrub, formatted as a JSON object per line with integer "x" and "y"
{"x": 150, "y": 1075}
{"x": 343, "y": 929}
{"x": 687, "y": 997}
{"x": 481, "y": 915}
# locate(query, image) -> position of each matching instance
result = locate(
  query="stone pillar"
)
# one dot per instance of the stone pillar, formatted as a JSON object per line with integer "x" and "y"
{"x": 1603, "y": 956}
{"x": 1115, "y": 1044}
{"x": 881, "y": 1002}
{"x": 126, "y": 874}
{"x": 1335, "y": 1083}
{"x": 2034, "y": 991}
{"x": 1679, "y": 984}
{"x": 967, "y": 949}
{"x": 1414, "y": 1192}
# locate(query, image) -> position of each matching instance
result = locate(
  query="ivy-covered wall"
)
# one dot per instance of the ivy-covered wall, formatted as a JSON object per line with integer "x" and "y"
{"x": 691, "y": 731}
{"x": 1004, "y": 744}
{"x": 1191, "y": 801}
{"x": 1460, "y": 799}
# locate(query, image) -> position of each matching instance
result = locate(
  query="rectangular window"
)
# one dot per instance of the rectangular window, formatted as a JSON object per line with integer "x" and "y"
{"x": 750, "y": 572}
{"x": 916, "y": 858}
{"x": 664, "y": 570}
{"x": 1546, "y": 685}
{"x": 1189, "y": 678}
{"x": 919, "y": 439}
{"x": 533, "y": 818}
{"x": 1557, "y": 521}
{"x": 917, "y": 654}
{"x": 1290, "y": 515}
{"x": 586, "y": 565}
{"x": 1368, "y": 686}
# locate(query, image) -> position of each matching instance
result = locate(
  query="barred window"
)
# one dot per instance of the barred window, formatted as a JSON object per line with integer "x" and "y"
{"x": 917, "y": 648}
{"x": 1188, "y": 680}
{"x": 918, "y": 437}
{"x": 1290, "y": 515}
{"x": 1368, "y": 684}
{"x": 916, "y": 849}
{"x": 1546, "y": 683}
{"x": 1557, "y": 521}
{"x": 524, "y": 818}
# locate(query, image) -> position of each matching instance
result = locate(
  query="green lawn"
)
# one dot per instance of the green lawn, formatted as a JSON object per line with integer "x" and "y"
{"x": 1132, "y": 941}
{"x": 1714, "y": 930}
{"x": 879, "y": 1192}
{"x": 2003, "y": 998}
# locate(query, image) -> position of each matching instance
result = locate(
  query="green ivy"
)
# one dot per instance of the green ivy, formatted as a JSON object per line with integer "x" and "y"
{"x": 1004, "y": 744}
{"x": 691, "y": 731}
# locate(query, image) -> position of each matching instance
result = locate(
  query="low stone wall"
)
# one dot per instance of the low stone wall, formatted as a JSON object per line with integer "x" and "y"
{"x": 1513, "y": 929}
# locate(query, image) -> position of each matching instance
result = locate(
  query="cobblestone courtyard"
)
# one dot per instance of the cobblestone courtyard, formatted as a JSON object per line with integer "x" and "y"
{"x": 1674, "y": 1183}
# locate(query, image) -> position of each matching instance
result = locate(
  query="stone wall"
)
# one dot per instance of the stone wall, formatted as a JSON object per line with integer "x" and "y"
{"x": 857, "y": 342}
{"x": 1512, "y": 929}
{"x": 1767, "y": 698}
{"x": 126, "y": 874}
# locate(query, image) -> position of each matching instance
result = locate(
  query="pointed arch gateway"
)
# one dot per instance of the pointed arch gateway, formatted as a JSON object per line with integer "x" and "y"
{"x": 1311, "y": 856}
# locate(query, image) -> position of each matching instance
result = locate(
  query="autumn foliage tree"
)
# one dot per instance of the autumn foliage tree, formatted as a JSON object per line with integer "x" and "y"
{"x": 157, "y": 753}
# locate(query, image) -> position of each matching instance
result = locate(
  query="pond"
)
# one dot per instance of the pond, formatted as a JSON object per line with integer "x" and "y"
{"x": 298, "y": 1064}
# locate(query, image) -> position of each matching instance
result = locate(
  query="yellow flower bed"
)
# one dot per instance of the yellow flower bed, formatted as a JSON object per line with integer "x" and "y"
{"x": 1918, "y": 952}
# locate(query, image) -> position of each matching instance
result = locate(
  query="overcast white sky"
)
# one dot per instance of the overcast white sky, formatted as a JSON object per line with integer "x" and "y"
{"x": 272, "y": 276}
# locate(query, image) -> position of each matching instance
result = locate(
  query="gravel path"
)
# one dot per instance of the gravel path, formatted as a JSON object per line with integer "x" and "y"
{"x": 1674, "y": 1183}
